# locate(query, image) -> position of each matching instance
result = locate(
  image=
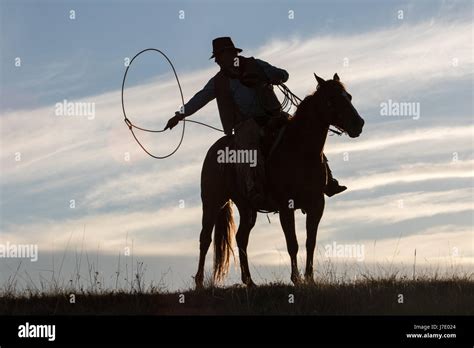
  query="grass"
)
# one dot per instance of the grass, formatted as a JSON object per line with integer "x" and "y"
{"x": 366, "y": 296}
{"x": 385, "y": 292}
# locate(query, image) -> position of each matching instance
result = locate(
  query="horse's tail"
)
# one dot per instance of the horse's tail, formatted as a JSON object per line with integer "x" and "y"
{"x": 223, "y": 239}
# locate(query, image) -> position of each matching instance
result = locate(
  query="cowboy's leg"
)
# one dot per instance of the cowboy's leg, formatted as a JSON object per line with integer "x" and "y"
{"x": 332, "y": 186}
{"x": 241, "y": 143}
{"x": 257, "y": 166}
{"x": 247, "y": 138}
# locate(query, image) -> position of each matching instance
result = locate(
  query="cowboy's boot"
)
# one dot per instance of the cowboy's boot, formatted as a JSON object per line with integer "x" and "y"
{"x": 255, "y": 192}
{"x": 256, "y": 189}
{"x": 256, "y": 182}
{"x": 332, "y": 187}
{"x": 257, "y": 198}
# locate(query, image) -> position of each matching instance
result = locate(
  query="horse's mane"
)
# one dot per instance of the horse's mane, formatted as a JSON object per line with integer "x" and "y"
{"x": 302, "y": 108}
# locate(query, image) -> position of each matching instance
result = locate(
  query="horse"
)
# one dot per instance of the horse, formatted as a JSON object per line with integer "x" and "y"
{"x": 295, "y": 175}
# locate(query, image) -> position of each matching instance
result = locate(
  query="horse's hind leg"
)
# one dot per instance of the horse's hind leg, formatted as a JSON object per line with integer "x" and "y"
{"x": 209, "y": 214}
{"x": 248, "y": 217}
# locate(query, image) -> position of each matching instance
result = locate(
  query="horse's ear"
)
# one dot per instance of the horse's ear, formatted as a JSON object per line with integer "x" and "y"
{"x": 336, "y": 77}
{"x": 319, "y": 79}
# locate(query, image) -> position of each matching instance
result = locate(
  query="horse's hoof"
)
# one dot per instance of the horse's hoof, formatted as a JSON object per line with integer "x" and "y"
{"x": 250, "y": 284}
{"x": 199, "y": 282}
{"x": 296, "y": 279}
{"x": 247, "y": 280}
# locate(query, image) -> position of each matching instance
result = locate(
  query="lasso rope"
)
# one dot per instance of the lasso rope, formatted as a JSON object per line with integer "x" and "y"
{"x": 131, "y": 126}
{"x": 289, "y": 99}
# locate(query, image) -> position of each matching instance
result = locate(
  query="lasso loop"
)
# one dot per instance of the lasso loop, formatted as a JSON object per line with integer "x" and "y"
{"x": 130, "y": 124}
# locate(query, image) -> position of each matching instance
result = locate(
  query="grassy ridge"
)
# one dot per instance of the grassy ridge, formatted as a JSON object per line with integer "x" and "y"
{"x": 364, "y": 297}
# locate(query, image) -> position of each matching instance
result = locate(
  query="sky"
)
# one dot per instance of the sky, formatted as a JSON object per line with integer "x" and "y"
{"x": 409, "y": 177}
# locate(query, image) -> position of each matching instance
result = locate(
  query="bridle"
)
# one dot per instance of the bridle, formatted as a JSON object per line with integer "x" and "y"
{"x": 291, "y": 99}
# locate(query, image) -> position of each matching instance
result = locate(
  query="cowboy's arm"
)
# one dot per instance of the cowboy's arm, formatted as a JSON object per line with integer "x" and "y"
{"x": 274, "y": 75}
{"x": 199, "y": 100}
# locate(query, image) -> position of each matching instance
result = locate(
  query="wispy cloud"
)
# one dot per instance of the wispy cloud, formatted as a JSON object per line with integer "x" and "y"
{"x": 73, "y": 152}
{"x": 415, "y": 137}
{"x": 413, "y": 173}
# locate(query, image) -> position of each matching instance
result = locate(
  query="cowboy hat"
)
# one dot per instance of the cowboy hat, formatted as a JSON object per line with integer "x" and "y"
{"x": 223, "y": 43}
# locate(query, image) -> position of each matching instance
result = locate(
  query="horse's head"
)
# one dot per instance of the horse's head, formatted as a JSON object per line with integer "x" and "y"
{"x": 336, "y": 106}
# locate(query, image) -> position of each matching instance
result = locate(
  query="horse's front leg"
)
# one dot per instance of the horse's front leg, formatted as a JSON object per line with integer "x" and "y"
{"x": 313, "y": 217}
{"x": 287, "y": 220}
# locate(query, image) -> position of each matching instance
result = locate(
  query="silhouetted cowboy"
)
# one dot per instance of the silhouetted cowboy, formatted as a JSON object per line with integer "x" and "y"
{"x": 246, "y": 101}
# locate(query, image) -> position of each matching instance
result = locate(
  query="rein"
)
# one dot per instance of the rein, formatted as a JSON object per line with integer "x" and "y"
{"x": 292, "y": 99}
